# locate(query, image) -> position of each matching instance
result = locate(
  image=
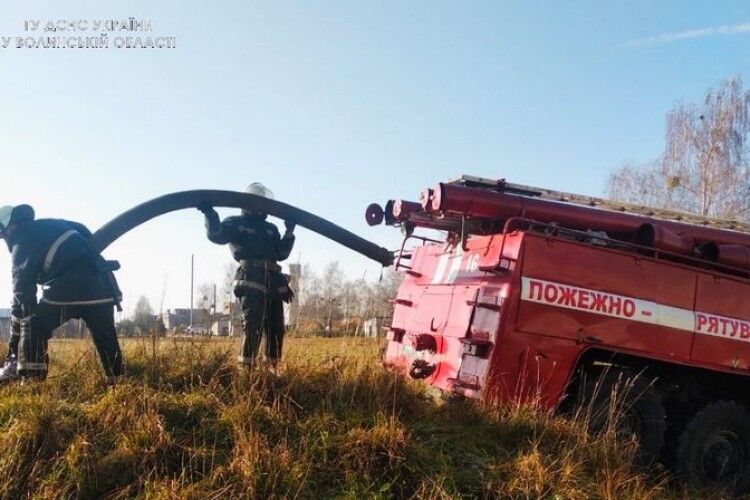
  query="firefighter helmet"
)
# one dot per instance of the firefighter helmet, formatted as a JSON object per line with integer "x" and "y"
{"x": 259, "y": 189}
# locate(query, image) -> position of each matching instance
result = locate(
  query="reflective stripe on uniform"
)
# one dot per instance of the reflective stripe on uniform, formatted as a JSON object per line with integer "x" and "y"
{"x": 42, "y": 367}
{"x": 79, "y": 302}
{"x": 251, "y": 284}
{"x": 54, "y": 248}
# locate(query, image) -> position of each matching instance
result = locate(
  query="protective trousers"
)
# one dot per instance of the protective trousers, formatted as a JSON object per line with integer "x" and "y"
{"x": 15, "y": 338}
{"x": 261, "y": 312}
{"x": 45, "y": 318}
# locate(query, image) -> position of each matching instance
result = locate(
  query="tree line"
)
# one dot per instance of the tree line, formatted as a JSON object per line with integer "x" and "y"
{"x": 326, "y": 303}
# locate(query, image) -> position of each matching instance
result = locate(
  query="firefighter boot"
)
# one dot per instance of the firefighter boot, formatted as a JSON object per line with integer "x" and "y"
{"x": 274, "y": 333}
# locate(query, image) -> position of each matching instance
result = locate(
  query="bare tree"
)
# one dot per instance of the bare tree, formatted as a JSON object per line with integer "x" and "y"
{"x": 227, "y": 282}
{"x": 330, "y": 302}
{"x": 358, "y": 303}
{"x": 385, "y": 290}
{"x": 331, "y": 291}
{"x": 640, "y": 184}
{"x": 206, "y": 296}
{"x": 308, "y": 298}
{"x": 206, "y": 305}
{"x": 703, "y": 168}
{"x": 143, "y": 317}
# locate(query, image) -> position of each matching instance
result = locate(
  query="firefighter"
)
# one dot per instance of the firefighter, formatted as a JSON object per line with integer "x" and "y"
{"x": 76, "y": 283}
{"x": 257, "y": 246}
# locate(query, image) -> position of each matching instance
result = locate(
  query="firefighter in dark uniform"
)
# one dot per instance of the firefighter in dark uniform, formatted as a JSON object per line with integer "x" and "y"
{"x": 76, "y": 283}
{"x": 259, "y": 284}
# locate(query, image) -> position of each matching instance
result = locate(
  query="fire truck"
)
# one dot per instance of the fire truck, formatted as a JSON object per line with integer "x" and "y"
{"x": 518, "y": 294}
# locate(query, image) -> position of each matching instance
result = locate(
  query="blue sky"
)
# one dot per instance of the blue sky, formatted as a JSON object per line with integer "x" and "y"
{"x": 337, "y": 104}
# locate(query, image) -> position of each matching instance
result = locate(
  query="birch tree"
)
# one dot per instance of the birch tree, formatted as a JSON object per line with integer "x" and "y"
{"x": 704, "y": 166}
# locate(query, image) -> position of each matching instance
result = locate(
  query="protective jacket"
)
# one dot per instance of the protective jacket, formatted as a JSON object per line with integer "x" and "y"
{"x": 58, "y": 255}
{"x": 257, "y": 245}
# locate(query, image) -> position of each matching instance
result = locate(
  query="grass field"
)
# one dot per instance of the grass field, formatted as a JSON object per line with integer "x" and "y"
{"x": 187, "y": 423}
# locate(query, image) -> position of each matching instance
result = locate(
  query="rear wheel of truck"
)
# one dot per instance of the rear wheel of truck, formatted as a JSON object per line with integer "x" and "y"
{"x": 714, "y": 448}
{"x": 633, "y": 407}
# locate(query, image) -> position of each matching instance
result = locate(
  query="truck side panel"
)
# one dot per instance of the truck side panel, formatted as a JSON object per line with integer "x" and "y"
{"x": 721, "y": 322}
{"x": 635, "y": 294}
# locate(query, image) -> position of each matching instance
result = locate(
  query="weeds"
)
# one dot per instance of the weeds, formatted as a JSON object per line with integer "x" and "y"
{"x": 187, "y": 423}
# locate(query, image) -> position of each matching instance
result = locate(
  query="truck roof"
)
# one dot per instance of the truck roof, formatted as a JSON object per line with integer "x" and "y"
{"x": 501, "y": 185}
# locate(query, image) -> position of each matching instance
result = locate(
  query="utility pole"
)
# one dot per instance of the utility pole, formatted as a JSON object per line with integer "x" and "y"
{"x": 213, "y": 316}
{"x": 163, "y": 294}
{"x": 192, "y": 289}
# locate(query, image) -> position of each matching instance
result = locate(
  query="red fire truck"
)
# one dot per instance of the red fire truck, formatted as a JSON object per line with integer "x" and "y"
{"x": 533, "y": 294}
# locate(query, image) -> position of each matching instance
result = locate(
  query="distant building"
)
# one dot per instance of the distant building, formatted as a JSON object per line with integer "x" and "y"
{"x": 176, "y": 318}
{"x": 179, "y": 319}
{"x": 5, "y": 324}
{"x": 221, "y": 327}
{"x": 197, "y": 330}
{"x": 233, "y": 312}
{"x": 373, "y": 327}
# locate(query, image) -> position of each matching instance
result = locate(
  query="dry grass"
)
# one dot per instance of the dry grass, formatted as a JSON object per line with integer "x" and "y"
{"x": 186, "y": 423}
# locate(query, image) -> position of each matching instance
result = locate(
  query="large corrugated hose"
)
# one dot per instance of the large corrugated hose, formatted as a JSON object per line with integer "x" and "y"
{"x": 144, "y": 212}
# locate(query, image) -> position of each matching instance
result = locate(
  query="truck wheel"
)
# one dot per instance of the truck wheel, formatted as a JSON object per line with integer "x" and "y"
{"x": 714, "y": 448}
{"x": 638, "y": 409}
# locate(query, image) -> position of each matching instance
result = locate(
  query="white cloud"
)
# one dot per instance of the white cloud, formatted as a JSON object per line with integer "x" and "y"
{"x": 727, "y": 29}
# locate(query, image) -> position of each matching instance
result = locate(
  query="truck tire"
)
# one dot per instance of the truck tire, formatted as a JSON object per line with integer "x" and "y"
{"x": 639, "y": 412}
{"x": 714, "y": 448}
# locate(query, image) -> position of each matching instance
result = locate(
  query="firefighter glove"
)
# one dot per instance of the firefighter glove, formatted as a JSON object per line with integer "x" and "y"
{"x": 287, "y": 296}
{"x": 206, "y": 208}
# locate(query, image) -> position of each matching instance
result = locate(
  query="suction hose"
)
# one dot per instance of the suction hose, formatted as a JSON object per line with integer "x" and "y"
{"x": 144, "y": 212}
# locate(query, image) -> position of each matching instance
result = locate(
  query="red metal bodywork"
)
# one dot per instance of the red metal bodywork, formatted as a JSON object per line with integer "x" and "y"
{"x": 511, "y": 314}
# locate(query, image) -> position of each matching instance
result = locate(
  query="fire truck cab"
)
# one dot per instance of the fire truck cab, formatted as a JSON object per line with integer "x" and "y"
{"x": 551, "y": 299}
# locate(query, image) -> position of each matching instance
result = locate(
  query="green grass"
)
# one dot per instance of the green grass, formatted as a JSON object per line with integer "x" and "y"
{"x": 187, "y": 423}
